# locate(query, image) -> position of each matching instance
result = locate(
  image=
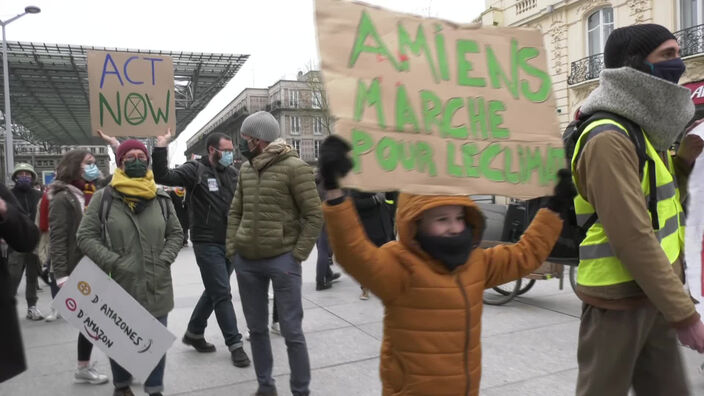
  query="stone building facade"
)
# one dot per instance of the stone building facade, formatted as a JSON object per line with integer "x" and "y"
{"x": 298, "y": 105}
{"x": 575, "y": 33}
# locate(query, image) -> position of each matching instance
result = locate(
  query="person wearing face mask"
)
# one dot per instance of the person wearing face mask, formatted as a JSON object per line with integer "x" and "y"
{"x": 273, "y": 224}
{"x": 24, "y": 177}
{"x": 431, "y": 280}
{"x": 630, "y": 277}
{"x": 210, "y": 184}
{"x": 142, "y": 239}
{"x": 67, "y": 198}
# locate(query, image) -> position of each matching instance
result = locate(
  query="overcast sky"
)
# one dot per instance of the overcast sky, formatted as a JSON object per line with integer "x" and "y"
{"x": 279, "y": 35}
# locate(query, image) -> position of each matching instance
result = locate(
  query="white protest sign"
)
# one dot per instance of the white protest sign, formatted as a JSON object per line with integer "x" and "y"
{"x": 112, "y": 320}
{"x": 694, "y": 231}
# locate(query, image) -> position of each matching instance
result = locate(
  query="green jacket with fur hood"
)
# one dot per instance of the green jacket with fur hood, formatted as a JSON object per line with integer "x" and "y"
{"x": 143, "y": 246}
{"x": 276, "y": 208}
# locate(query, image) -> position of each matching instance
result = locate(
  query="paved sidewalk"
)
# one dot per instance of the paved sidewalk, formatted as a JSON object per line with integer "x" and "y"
{"x": 529, "y": 345}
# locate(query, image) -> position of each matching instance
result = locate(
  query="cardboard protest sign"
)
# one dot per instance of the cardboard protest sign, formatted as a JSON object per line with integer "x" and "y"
{"x": 131, "y": 94}
{"x": 694, "y": 231}
{"x": 433, "y": 107}
{"x": 112, "y": 320}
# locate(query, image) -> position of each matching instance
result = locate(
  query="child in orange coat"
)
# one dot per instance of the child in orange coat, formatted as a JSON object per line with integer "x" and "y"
{"x": 432, "y": 279}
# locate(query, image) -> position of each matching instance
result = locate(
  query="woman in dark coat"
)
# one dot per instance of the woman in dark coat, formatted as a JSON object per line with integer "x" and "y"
{"x": 22, "y": 235}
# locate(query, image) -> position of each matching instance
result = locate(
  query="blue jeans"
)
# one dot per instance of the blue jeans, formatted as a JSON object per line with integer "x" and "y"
{"x": 253, "y": 277}
{"x": 323, "y": 272}
{"x": 122, "y": 378}
{"x": 215, "y": 270}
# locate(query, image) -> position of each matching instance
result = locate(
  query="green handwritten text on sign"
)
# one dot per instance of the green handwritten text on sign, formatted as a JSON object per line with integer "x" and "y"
{"x": 432, "y": 107}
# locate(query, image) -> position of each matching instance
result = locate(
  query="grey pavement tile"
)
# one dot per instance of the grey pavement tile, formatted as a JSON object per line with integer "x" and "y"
{"x": 359, "y": 312}
{"x": 567, "y": 303}
{"x": 515, "y": 316}
{"x": 345, "y": 291}
{"x": 517, "y": 356}
{"x": 356, "y": 378}
{"x": 338, "y": 346}
{"x": 320, "y": 319}
{"x": 556, "y": 384}
{"x": 692, "y": 362}
{"x": 57, "y": 384}
{"x": 374, "y": 329}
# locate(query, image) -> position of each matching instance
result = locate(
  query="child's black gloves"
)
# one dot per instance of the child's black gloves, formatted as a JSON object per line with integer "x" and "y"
{"x": 564, "y": 192}
{"x": 333, "y": 161}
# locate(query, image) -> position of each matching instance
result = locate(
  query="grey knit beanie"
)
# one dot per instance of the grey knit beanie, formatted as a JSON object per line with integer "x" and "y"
{"x": 261, "y": 125}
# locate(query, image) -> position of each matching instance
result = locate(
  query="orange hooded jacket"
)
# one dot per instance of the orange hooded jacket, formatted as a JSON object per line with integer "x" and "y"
{"x": 432, "y": 319}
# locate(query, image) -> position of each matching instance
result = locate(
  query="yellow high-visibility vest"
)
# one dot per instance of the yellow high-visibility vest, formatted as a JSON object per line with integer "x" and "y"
{"x": 598, "y": 266}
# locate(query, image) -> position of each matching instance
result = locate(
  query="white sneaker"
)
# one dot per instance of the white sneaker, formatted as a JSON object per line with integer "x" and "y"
{"x": 275, "y": 329}
{"x": 364, "y": 295}
{"x": 53, "y": 315}
{"x": 89, "y": 375}
{"x": 33, "y": 313}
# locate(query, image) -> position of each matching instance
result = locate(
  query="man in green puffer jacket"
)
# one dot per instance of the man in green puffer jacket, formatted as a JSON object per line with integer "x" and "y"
{"x": 274, "y": 221}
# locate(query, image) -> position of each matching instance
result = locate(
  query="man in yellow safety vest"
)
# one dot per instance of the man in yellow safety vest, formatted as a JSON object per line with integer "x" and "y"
{"x": 631, "y": 260}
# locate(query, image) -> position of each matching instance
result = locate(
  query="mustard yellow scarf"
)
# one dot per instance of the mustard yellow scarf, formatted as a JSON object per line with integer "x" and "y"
{"x": 138, "y": 187}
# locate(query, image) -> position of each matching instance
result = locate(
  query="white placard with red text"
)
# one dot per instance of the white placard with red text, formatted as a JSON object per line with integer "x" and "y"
{"x": 112, "y": 320}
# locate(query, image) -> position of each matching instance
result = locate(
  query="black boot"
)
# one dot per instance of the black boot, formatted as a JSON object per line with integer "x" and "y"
{"x": 126, "y": 391}
{"x": 198, "y": 343}
{"x": 323, "y": 286}
{"x": 239, "y": 357}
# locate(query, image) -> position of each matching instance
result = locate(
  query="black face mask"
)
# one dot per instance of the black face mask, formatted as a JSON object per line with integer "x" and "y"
{"x": 451, "y": 251}
{"x": 136, "y": 168}
{"x": 670, "y": 70}
{"x": 245, "y": 151}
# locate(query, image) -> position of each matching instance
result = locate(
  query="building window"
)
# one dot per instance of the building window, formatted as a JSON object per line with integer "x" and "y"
{"x": 317, "y": 100}
{"x": 102, "y": 150}
{"x": 296, "y": 144}
{"x": 295, "y": 125}
{"x": 691, "y": 13}
{"x": 317, "y": 126}
{"x": 599, "y": 25}
{"x": 316, "y": 148}
{"x": 293, "y": 98}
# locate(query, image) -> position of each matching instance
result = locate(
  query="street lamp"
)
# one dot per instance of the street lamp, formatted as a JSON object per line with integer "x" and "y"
{"x": 9, "y": 152}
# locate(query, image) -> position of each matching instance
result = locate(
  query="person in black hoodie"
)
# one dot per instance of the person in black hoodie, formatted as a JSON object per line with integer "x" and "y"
{"x": 24, "y": 177}
{"x": 22, "y": 235}
{"x": 210, "y": 184}
{"x": 376, "y": 218}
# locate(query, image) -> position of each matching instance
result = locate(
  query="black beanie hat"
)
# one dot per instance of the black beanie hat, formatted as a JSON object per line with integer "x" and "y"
{"x": 635, "y": 41}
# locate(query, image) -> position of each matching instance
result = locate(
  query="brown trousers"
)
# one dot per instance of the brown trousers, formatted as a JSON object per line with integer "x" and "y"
{"x": 620, "y": 349}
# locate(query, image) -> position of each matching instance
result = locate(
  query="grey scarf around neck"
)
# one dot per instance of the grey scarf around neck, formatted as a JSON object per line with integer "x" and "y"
{"x": 660, "y": 107}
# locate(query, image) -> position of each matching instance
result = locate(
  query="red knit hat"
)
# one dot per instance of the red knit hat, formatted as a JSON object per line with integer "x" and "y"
{"x": 128, "y": 145}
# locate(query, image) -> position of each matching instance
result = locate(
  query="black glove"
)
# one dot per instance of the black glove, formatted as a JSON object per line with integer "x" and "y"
{"x": 333, "y": 161}
{"x": 564, "y": 192}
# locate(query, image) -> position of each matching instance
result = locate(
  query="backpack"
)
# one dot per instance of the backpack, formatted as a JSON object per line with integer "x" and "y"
{"x": 106, "y": 204}
{"x": 566, "y": 250}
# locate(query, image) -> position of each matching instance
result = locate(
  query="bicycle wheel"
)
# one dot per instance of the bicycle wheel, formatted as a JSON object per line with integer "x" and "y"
{"x": 527, "y": 287}
{"x": 502, "y": 294}
{"x": 573, "y": 277}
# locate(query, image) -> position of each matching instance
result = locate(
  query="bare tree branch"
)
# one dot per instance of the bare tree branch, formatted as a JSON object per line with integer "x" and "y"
{"x": 314, "y": 81}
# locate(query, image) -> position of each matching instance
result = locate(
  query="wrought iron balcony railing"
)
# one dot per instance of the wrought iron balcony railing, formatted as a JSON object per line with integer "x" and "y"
{"x": 585, "y": 69}
{"x": 691, "y": 40}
